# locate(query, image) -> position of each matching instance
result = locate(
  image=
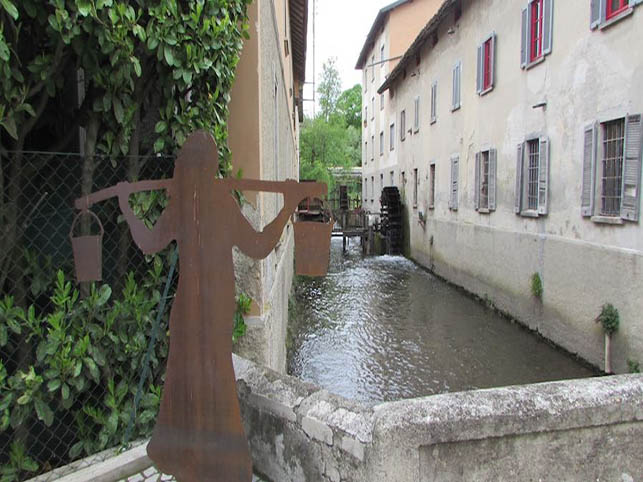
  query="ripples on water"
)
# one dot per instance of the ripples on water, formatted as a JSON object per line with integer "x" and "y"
{"x": 380, "y": 329}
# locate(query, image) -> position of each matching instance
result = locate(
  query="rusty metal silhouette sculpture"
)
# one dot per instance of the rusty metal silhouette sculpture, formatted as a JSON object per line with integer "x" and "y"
{"x": 198, "y": 434}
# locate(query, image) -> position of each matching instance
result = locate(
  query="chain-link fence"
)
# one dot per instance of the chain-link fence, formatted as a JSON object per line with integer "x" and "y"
{"x": 71, "y": 356}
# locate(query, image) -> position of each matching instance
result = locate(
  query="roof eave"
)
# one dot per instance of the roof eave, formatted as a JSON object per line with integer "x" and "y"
{"x": 429, "y": 29}
{"x": 370, "y": 38}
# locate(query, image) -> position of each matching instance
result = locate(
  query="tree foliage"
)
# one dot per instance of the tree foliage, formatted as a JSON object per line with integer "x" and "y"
{"x": 332, "y": 139}
{"x": 329, "y": 89}
{"x": 153, "y": 70}
{"x": 349, "y": 106}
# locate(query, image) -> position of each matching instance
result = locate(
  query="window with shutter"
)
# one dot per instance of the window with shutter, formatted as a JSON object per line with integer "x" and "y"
{"x": 606, "y": 12}
{"x": 416, "y": 115}
{"x": 432, "y": 186}
{"x": 485, "y": 181}
{"x": 453, "y": 198}
{"x": 612, "y": 170}
{"x": 537, "y": 32}
{"x": 381, "y": 143}
{"x": 434, "y": 100}
{"x": 532, "y": 178}
{"x": 486, "y": 65}
{"x": 455, "y": 99}
{"x": 403, "y": 125}
{"x": 391, "y": 139}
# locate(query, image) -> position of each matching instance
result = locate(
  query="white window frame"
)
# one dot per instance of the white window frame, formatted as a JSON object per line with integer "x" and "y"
{"x": 416, "y": 114}
{"x": 479, "y": 175}
{"x": 521, "y": 206}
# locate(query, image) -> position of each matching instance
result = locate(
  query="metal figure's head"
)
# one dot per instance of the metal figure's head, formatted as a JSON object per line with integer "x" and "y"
{"x": 198, "y": 159}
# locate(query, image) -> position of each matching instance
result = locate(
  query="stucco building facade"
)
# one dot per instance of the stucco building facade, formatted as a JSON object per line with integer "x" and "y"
{"x": 265, "y": 111}
{"x": 391, "y": 34}
{"x": 521, "y": 156}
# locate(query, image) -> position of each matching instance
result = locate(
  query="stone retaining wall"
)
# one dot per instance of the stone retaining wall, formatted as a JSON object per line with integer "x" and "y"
{"x": 589, "y": 429}
{"x": 576, "y": 430}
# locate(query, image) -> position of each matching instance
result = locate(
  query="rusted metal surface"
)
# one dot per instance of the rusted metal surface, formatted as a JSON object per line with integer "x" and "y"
{"x": 88, "y": 252}
{"x": 198, "y": 434}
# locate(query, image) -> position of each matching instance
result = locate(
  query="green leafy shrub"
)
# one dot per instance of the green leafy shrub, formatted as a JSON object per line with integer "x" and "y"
{"x": 609, "y": 318}
{"x": 87, "y": 362}
{"x": 243, "y": 308}
{"x": 536, "y": 286}
{"x": 633, "y": 366}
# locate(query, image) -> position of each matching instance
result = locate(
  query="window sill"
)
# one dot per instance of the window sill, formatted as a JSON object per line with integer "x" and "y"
{"x": 432, "y": 207}
{"x": 415, "y": 206}
{"x": 607, "y": 220}
{"x": 483, "y": 211}
{"x": 455, "y": 210}
{"x": 609, "y": 22}
{"x": 453, "y": 109}
{"x": 433, "y": 121}
{"x": 533, "y": 63}
{"x": 416, "y": 130}
{"x": 529, "y": 213}
{"x": 486, "y": 91}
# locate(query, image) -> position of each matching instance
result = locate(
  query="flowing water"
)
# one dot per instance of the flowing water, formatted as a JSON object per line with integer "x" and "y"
{"x": 381, "y": 328}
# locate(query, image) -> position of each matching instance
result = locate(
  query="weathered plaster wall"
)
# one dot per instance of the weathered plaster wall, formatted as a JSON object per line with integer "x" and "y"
{"x": 589, "y": 76}
{"x": 264, "y": 138}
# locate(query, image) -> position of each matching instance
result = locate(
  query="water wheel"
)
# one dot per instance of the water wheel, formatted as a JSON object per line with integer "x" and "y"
{"x": 391, "y": 219}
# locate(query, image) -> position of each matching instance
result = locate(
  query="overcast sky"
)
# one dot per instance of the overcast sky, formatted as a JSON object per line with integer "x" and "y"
{"x": 341, "y": 27}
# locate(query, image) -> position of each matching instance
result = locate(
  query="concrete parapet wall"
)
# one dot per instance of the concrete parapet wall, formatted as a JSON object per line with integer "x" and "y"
{"x": 571, "y": 430}
{"x": 575, "y": 430}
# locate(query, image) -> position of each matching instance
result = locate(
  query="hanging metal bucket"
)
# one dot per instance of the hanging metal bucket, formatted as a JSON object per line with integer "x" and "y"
{"x": 312, "y": 246}
{"x": 88, "y": 251}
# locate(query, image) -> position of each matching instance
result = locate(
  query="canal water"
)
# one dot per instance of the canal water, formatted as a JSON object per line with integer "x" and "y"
{"x": 381, "y": 328}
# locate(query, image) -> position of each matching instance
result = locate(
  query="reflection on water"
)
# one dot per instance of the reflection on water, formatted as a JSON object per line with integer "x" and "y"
{"x": 380, "y": 329}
